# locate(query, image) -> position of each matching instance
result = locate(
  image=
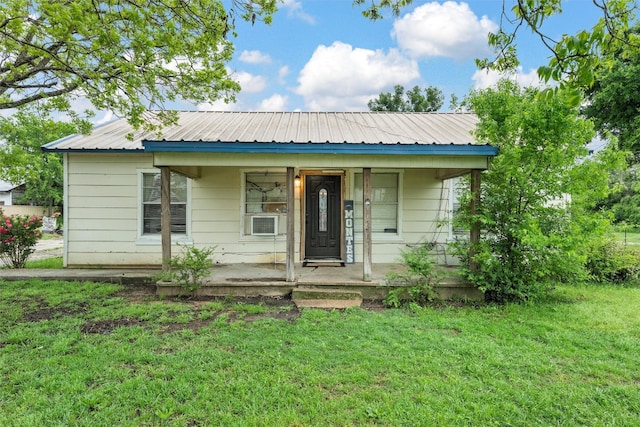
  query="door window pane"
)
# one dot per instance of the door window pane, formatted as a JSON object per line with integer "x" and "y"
{"x": 322, "y": 210}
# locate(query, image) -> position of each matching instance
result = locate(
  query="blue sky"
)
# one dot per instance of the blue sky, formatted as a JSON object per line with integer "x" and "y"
{"x": 323, "y": 55}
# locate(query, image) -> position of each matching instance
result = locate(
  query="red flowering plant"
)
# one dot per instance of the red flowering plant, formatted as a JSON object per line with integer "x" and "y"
{"x": 18, "y": 237}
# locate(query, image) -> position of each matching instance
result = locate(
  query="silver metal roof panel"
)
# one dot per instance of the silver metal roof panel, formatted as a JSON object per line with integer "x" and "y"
{"x": 284, "y": 127}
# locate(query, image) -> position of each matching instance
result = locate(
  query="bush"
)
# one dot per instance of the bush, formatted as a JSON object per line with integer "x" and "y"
{"x": 190, "y": 268}
{"x": 18, "y": 237}
{"x": 609, "y": 261}
{"x": 416, "y": 286}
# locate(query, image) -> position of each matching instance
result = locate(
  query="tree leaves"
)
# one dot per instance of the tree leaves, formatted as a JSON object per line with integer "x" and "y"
{"x": 412, "y": 101}
{"x": 22, "y": 160}
{"x": 123, "y": 56}
{"x": 537, "y": 195}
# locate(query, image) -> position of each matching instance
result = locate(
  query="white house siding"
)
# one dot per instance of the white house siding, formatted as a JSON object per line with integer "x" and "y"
{"x": 217, "y": 218}
{"x": 102, "y": 199}
{"x": 422, "y": 218}
{"x": 5, "y": 198}
{"x": 102, "y": 209}
{"x": 102, "y": 215}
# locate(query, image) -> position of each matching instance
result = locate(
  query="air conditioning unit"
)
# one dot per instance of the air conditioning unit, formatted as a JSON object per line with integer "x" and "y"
{"x": 264, "y": 225}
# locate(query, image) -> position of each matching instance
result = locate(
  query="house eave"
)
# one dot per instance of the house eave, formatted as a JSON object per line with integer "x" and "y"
{"x": 325, "y": 148}
{"x": 53, "y": 149}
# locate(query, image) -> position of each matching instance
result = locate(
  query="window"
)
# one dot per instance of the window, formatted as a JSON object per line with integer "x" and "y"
{"x": 151, "y": 203}
{"x": 384, "y": 202}
{"x": 265, "y": 195}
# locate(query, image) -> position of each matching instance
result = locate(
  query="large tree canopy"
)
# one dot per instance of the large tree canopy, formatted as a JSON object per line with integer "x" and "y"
{"x": 413, "y": 100}
{"x": 124, "y": 56}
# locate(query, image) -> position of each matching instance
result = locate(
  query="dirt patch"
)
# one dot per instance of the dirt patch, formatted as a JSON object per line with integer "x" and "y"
{"x": 201, "y": 316}
{"x": 43, "y": 311}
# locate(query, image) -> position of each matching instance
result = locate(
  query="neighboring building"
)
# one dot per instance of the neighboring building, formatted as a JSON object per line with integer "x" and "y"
{"x": 266, "y": 187}
{"x": 10, "y": 193}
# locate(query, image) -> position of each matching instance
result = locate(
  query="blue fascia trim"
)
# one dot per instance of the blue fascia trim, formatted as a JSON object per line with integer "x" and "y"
{"x": 318, "y": 148}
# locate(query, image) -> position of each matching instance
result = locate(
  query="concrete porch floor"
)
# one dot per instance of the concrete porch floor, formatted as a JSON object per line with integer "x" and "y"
{"x": 349, "y": 273}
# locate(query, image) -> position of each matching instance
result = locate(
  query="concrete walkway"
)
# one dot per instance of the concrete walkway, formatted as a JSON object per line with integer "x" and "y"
{"x": 221, "y": 273}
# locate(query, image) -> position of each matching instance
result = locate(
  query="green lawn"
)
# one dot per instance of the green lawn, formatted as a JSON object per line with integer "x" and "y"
{"x": 630, "y": 237}
{"x": 84, "y": 354}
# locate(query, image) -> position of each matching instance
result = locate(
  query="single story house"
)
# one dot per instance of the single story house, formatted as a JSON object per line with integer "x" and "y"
{"x": 10, "y": 193}
{"x": 264, "y": 187}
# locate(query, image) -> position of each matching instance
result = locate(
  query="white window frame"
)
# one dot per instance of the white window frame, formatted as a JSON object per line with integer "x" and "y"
{"x": 245, "y": 230}
{"x": 156, "y": 238}
{"x": 387, "y": 237}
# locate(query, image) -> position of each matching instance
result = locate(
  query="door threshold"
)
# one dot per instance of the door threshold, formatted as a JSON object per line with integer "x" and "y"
{"x": 323, "y": 262}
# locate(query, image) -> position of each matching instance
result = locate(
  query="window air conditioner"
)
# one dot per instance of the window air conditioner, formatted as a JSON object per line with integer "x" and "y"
{"x": 264, "y": 225}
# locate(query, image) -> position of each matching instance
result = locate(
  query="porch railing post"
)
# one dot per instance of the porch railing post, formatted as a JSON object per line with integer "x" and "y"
{"x": 165, "y": 215}
{"x": 366, "y": 228}
{"x": 290, "y": 225}
{"x": 474, "y": 236}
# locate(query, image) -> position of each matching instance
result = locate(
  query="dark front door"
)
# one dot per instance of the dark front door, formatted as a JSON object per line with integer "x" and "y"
{"x": 323, "y": 208}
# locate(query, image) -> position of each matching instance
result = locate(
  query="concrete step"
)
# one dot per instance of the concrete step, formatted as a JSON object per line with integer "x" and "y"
{"x": 307, "y": 297}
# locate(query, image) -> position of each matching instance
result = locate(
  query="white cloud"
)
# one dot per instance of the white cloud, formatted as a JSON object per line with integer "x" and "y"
{"x": 283, "y": 72}
{"x": 484, "y": 79}
{"x": 294, "y": 8}
{"x": 249, "y": 83}
{"x": 342, "y": 78}
{"x": 450, "y": 29}
{"x": 274, "y": 103}
{"x": 254, "y": 57}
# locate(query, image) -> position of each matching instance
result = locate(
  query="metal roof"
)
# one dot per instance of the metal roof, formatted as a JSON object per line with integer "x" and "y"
{"x": 217, "y": 127}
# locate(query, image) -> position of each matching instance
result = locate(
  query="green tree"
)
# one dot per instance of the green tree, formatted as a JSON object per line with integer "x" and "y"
{"x": 536, "y": 198}
{"x": 124, "y": 56}
{"x": 624, "y": 198}
{"x": 22, "y": 159}
{"x": 413, "y": 100}
{"x": 614, "y": 100}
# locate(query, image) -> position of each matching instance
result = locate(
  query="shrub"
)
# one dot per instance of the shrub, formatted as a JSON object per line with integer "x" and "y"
{"x": 189, "y": 268}
{"x": 416, "y": 286}
{"x": 18, "y": 237}
{"x": 609, "y": 261}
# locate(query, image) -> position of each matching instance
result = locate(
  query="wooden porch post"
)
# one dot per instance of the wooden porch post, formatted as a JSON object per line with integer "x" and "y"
{"x": 475, "y": 227}
{"x": 165, "y": 215}
{"x": 366, "y": 221}
{"x": 290, "y": 225}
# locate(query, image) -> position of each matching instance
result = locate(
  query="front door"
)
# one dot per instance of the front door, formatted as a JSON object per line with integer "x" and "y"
{"x": 323, "y": 213}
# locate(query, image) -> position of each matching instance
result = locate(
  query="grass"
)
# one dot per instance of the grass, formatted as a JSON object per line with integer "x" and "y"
{"x": 48, "y": 263}
{"x": 50, "y": 236}
{"x": 630, "y": 237}
{"x": 89, "y": 354}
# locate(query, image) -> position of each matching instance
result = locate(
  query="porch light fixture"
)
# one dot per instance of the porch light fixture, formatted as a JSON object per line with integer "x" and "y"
{"x": 296, "y": 181}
